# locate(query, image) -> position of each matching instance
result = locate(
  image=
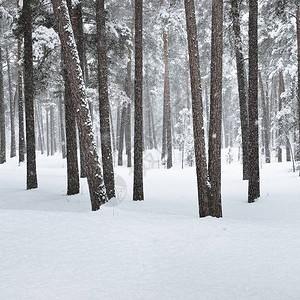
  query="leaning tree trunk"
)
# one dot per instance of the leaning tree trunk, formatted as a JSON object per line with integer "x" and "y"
{"x": 242, "y": 85}
{"x": 254, "y": 181}
{"x": 107, "y": 159}
{"x": 215, "y": 120}
{"x": 29, "y": 96}
{"x": 75, "y": 12}
{"x": 2, "y": 115}
{"x": 94, "y": 173}
{"x": 138, "y": 189}
{"x": 197, "y": 108}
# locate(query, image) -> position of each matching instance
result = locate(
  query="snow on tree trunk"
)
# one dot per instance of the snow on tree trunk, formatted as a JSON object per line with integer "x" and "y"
{"x": 106, "y": 147}
{"x": 2, "y": 116}
{"x": 94, "y": 173}
{"x": 254, "y": 181}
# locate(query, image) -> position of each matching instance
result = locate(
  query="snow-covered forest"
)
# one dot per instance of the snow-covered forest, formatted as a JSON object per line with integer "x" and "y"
{"x": 149, "y": 149}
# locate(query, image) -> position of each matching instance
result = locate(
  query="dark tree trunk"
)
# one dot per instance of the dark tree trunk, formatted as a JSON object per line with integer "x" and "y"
{"x": 75, "y": 12}
{"x": 254, "y": 181}
{"x": 107, "y": 159}
{"x": 73, "y": 184}
{"x": 2, "y": 115}
{"x": 138, "y": 189}
{"x": 11, "y": 108}
{"x": 39, "y": 130}
{"x": 197, "y": 108}
{"x": 215, "y": 123}
{"x": 242, "y": 85}
{"x": 29, "y": 92}
{"x": 266, "y": 120}
{"x": 94, "y": 173}
{"x": 20, "y": 104}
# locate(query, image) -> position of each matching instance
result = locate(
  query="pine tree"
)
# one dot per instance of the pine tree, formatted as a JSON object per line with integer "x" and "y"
{"x": 138, "y": 189}
{"x": 94, "y": 173}
{"x": 215, "y": 121}
{"x": 107, "y": 160}
{"x": 254, "y": 181}
{"x": 29, "y": 94}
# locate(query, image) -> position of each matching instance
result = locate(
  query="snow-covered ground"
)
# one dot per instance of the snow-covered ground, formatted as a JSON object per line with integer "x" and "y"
{"x": 53, "y": 247}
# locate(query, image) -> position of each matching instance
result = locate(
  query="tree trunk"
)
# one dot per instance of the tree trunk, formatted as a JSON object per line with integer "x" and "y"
{"x": 254, "y": 181}
{"x": 94, "y": 173}
{"x": 122, "y": 136}
{"x": 29, "y": 95}
{"x": 2, "y": 115}
{"x": 47, "y": 131}
{"x": 266, "y": 120}
{"x": 215, "y": 123}
{"x": 20, "y": 101}
{"x": 11, "y": 108}
{"x": 138, "y": 189}
{"x": 197, "y": 108}
{"x": 75, "y": 12}
{"x": 298, "y": 58}
{"x": 280, "y": 129}
{"x": 128, "y": 90}
{"x": 62, "y": 127}
{"x": 107, "y": 160}
{"x": 242, "y": 85}
{"x": 167, "y": 128}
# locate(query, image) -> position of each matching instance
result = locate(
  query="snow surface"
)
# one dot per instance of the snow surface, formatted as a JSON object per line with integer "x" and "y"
{"x": 53, "y": 247}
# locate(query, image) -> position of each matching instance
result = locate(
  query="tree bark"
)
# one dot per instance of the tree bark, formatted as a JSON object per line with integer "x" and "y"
{"x": 29, "y": 98}
{"x": 94, "y": 173}
{"x": 280, "y": 124}
{"x": 11, "y": 108}
{"x": 138, "y": 189}
{"x": 215, "y": 123}
{"x": 106, "y": 149}
{"x": 2, "y": 115}
{"x": 242, "y": 85}
{"x": 197, "y": 108}
{"x": 266, "y": 120}
{"x": 254, "y": 181}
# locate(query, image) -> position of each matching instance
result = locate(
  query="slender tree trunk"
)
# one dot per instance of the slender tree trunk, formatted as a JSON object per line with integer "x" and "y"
{"x": 128, "y": 90}
{"x": 107, "y": 159}
{"x": 2, "y": 115}
{"x": 266, "y": 120}
{"x": 298, "y": 58}
{"x": 47, "y": 131}
{"x": 197, "y": 108}
{"x": 20, "y": 102}
{"x": 138, "y": 189}
{"x": 94, "y": 173}
{"x": 280, "y": 129}
{"x": 242, "y": 85}
{"x": 122, "y": 136}
{"x": 11, "y": 108}
{"x": 254, "y": 181}
{"x": 29, "y": 96}
{"x": 62, "y": 127}
{"x": 52, "y": 130}
{"x": 215, "y": 127}
{"x": 38, "y": 123}
{"x": 167, "y": 127}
